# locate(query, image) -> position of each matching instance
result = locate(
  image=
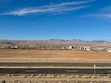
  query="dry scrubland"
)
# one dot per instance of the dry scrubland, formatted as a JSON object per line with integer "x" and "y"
{"x": 60, "y": 55}
{"x": 50, "y": 78}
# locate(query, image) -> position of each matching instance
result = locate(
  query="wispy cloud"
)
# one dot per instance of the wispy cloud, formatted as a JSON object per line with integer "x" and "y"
{"x": 54, "y": 8}
{"x": 99, "y": 15}
{"x": 106, "y": 12}
{"x": 108, "y": 15}
{"x": 103, "y": 13}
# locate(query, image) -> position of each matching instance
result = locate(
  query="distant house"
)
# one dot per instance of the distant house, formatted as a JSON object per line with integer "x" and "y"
{"x": 99, "y": 49}
{"x": 85, "y": 48}
{"x": 70, "y": 47}
{"x": 109, "y": 50}
{"x": 14, "y": 47}
{"x": 63, "y": 48}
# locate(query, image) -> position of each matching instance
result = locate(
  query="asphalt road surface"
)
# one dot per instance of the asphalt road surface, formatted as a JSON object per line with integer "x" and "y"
{"x": 57, "y": 64}
{"x": 53, "y": 71}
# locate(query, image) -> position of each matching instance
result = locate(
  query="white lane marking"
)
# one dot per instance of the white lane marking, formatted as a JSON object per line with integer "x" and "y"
{"x": 71, "y": 70}
{"x": 31, "y": 70}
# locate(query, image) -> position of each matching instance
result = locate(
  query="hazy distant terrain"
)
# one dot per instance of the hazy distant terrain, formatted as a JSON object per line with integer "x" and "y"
{"x": 52, "y": 43}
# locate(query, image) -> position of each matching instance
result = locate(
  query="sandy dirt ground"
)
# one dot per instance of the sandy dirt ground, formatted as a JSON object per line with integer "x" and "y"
{"x": 58, "y": 79}
{"x": 51, "y": 55}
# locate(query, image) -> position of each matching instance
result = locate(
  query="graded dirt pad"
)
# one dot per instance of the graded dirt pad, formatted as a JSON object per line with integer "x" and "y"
{"x": 54, "y": 54}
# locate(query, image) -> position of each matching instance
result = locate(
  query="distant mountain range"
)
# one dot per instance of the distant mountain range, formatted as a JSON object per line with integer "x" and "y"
{"x": 52, "y": 43}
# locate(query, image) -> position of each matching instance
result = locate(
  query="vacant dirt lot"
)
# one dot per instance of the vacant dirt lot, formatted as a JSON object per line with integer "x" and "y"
{"x": 16, "y": 53}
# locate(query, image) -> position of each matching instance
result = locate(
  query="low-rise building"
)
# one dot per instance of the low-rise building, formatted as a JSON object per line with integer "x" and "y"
{"x": 109, "y": 50}
{"x": 99, "y": 49}
{"x": 14, "y": 47}
{"x": 85, "y": 48}
{"x": 70, "y": 47}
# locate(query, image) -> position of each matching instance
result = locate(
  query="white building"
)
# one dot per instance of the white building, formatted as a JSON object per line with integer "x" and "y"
{"x": 14, "y": 47}
{"x": 85, "y": 48}
{"x": 109, "y": 50}
{"x": 70, "y": 47}
{"x": 99, "y": 49}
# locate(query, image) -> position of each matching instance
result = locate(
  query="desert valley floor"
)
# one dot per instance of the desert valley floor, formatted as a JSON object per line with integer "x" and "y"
{"x": 54, "y": 54}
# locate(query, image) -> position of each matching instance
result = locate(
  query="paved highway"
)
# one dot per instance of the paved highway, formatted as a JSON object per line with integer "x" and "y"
{"x": 53, "y": 71}
{"x": 57, "y": 64}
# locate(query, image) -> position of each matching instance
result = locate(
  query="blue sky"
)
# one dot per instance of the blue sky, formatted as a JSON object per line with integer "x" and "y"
{"x": 55, "y": 19}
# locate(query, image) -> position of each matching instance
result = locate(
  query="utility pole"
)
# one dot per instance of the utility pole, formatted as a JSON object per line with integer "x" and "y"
{"x": 94, "y": 69}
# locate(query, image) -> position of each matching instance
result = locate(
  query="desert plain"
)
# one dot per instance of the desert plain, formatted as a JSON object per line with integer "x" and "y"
{"x": 53, "y": 55}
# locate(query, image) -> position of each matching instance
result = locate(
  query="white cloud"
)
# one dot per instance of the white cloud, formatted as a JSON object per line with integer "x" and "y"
{"x": 106, "y": 12}
{"x": 106, "y": 15}
{"x": 74, "y": 3}
{"x": 99, "y": 15}
{"x": 54, "y": 8}
{"x": 102, "y": 13}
